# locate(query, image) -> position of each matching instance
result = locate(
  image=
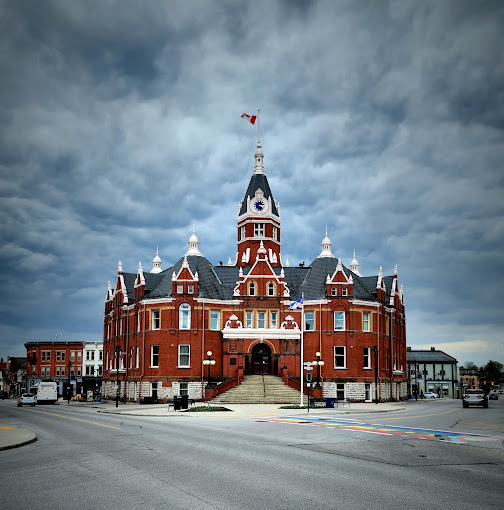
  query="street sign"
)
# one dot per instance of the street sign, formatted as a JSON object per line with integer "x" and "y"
{"x": 308, "y": 365}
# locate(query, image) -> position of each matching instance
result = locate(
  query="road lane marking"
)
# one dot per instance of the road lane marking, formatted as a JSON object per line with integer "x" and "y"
{"x": 75, "y": 419}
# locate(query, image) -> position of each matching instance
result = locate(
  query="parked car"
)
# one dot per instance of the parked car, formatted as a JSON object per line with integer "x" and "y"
{"x": 4, "y": 395}
{"x": 474, "y": 397}
{"x": 431, "y": 394}
{"x": 27, "y": 399}
{"x": 493, "y": 396}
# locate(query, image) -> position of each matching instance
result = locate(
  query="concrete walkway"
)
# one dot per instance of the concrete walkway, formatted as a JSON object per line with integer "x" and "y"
{"x": 249, "y": 410}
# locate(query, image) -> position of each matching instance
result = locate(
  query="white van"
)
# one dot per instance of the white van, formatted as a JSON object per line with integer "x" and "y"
{"x": 47, "y": 393}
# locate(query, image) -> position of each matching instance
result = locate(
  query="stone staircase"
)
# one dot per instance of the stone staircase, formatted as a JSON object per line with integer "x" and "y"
{"x": 252, "y": 391}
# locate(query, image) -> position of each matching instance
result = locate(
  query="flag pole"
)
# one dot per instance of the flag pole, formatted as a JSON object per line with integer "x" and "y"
{"x": 258, "y": 127}
{"x": 302, "y": 330}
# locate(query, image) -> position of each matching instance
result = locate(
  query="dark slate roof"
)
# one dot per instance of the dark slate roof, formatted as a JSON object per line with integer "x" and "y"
{"x": 369, "y": 282}
{"x": 129, "y": 281}
{"x": 421, "y": 356}
{"x": 258, "y": 181}
{"x": 218, "y": 282}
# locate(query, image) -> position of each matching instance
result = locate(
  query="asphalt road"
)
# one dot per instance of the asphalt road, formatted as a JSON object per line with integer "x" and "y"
{"x": 430, "y": 453}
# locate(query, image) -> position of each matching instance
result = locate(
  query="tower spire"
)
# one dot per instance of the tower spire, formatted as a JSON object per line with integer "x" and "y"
{"x": 258, "y": 127}
{"x": 259, "y": 156}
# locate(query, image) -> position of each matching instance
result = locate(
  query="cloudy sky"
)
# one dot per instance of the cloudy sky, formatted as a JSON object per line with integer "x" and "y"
{"x": 120, "y": 130}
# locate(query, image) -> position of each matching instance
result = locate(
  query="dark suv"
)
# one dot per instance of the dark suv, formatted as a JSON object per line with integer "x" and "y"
{"x": 4, "y": 395}
{"x": 475, "y": 397}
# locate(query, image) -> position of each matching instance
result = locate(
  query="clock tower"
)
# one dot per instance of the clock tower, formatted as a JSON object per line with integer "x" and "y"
{"x": 258, "y": 218}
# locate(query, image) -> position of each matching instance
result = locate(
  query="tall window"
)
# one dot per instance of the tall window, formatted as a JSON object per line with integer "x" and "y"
{"x": 252, "y": 289}
{"x": 275, "y": 233}
{"x": 137, "y": 357}
{"x": 214, "y": 319}
{"x": 258, "y": 229}
{"x": 309, "y": 321}
{"x": 242, "y": 232}
{"x": 261, "y": 319}
{"x": 274, "y": 320}
{"x": 184, "y": 388}
{"x": 79, "y": 356}
{"x": 340, "y": 391}
{"x": 180, "y": 288}
{"x": 190, "y": 288}
{"x": 271, "y": 289}
{"x": 365, "y": 321}
{"x": 184, "y": 316}
{"x": 45, "y": 356}
{"x": 344, "y": 291}
{"x": 248, "y": 319}
{"x": 184, "y": 356}
{"x": 156, "y": 319}
{"x": 339, "y": 357}
{"x": 339, "y": 321}
{"x": 72, "y": 355}
{"x": 154, "y": 357}
{"x": 367, "y": 357}
{"x": 138, "y": 321}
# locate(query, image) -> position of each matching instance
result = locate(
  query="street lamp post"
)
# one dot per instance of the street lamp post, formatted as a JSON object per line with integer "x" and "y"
{"x": 208, "y": 361}
{"x": 117, "y": 351}
{"x": 69, "y": 391}
{"x": 376, "y": 351}
{"x": 319, "y": 363}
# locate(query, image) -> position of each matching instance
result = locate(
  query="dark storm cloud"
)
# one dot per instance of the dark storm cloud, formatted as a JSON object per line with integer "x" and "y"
{"x": 382, "y": 121}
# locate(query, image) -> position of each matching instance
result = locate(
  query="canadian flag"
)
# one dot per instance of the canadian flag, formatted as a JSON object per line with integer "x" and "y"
{"x": 251, "y": 118}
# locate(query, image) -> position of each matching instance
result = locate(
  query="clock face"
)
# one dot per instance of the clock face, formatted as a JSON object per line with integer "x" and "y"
{"x": 259, "y": 205}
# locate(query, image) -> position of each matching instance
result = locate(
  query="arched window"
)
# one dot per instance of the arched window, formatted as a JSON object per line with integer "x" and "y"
{"x": 184, "y": 316}
{"x": 252, "y": 289}
{"x": 271, "y": 289}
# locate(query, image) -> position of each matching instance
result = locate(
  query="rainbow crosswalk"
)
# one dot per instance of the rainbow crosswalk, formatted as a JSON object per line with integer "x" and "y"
{"x": 417, "y": 433}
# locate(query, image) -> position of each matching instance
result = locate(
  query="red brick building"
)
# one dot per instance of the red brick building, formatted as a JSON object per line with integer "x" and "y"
{"x": 50, "y": 361}
{"x": 159, "y": 326}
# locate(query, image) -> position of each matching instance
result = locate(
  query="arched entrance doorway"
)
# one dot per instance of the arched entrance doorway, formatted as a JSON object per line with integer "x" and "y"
{"x": 261, "y": 359}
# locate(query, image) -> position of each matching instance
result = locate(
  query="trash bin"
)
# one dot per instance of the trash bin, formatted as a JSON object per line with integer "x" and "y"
{"x": 184, "y": 401}
{"x": 329, "y": 402}
{"x": 177, "y": 402}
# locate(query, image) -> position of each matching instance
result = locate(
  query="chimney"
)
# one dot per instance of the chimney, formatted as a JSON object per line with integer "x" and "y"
{"x": 408, "y": 348}
{"x": 432, "y": 348}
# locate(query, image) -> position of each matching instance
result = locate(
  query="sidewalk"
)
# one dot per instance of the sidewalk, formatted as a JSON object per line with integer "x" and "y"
{"x": 12, "y": 437}
{"x": 248, "y": 410}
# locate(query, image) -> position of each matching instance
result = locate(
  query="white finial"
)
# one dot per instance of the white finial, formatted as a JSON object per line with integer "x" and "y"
{"x": 326, "y": 247}
{"x": 258, "y": 127}
{"x": 259, "y": 156}
{"x": 287, "y": 263}
{"x": 119, "y": 268}
{"x": 395, "y": 270}
{"x": 194, "y": 245}
{"x": 156, "y": 262}
{"x": 354, "y": 265}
